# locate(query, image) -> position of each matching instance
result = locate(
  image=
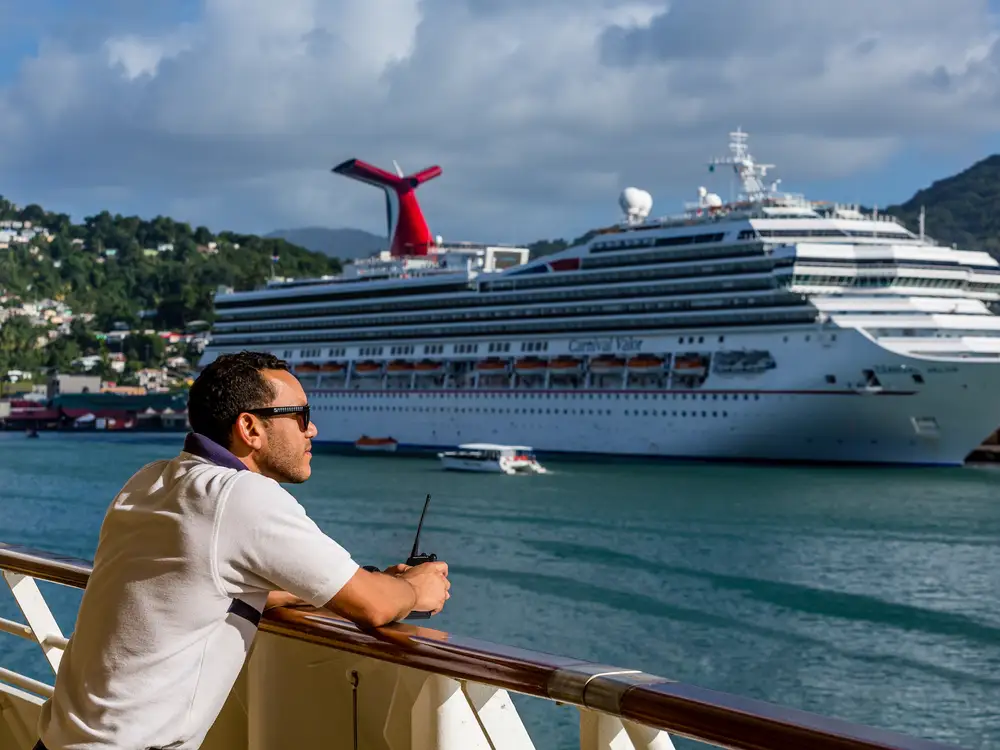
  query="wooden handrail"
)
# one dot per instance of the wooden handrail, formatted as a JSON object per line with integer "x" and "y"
{"x": 45, "y": 566}
{"x": 706, "y": 715}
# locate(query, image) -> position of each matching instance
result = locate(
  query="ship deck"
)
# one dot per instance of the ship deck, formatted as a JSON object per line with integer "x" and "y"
{"x": 316, "y": 680}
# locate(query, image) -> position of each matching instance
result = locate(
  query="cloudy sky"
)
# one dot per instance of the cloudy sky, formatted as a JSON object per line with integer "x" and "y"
{"x": 230, "y": 113}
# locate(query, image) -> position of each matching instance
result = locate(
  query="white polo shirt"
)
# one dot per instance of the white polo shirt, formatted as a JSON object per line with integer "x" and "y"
{"x": 156, "y": 651}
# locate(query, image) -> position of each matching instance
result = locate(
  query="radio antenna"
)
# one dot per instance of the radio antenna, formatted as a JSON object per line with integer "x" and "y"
{"x": 416, "y": 540}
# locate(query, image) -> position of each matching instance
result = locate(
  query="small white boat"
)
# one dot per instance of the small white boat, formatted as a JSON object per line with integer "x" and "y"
{"x": 492, "y": 458}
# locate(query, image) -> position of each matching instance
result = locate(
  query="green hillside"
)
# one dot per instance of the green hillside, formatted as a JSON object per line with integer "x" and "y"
{"x": 123, "y": 268}
{"x": 963, "y": 209}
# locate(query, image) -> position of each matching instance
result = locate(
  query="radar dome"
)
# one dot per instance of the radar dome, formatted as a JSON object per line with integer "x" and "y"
{"x": 635, "y": 203}
{"x": 712, "y": 200}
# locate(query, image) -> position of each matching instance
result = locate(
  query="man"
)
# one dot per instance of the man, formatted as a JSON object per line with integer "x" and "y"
{"x": 191, "y": 551}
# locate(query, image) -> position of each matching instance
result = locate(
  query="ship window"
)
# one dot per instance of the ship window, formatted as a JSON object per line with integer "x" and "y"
{"x": 831, "y": 378}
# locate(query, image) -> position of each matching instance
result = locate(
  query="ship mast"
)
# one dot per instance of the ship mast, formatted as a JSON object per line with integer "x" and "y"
{"x": 749, "y": 172}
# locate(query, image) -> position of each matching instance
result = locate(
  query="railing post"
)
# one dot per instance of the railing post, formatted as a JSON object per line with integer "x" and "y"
{"x": 647, "y": 738}
{"x": 497, "y": 716}
{"x": 17, "y": 716}
{"x": 38, "y": 615}
{"x": 397, "y": 730}
{"x": 601, "y": 731}
{"x": 442, "y": 718}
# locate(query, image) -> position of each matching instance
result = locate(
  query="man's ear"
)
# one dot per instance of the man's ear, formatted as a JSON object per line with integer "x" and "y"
{"x": 248, "y": 432}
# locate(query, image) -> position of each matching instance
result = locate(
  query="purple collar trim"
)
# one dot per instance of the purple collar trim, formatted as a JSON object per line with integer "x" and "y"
{"x": 201, "y": 446}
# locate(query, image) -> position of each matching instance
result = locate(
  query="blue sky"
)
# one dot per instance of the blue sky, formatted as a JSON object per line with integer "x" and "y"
{"x": 230, "y": 113}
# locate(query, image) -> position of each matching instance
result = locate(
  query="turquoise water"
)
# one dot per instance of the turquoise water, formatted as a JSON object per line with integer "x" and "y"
{"x": 868, "y": 594}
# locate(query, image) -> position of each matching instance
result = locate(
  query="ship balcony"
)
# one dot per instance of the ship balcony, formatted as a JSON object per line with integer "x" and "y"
{"x": 315, "y": 680}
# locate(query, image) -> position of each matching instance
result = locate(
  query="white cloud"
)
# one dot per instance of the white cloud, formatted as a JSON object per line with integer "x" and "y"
{"x": 137, "y": 56}
{"x": 539, "y": 111}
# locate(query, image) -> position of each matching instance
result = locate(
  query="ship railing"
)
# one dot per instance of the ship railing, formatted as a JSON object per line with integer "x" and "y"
{"x": 315, "y": 680}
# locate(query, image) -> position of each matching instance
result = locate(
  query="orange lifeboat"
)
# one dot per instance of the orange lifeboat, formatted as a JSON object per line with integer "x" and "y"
{"x": 607, "y": 365}
{"x": 428, "y": 367}
{"x": 306, "y": 367}
{"x": 399, "y": 367}
{"x": 332, "y": 367}
{"x": 690, "y": 366}
{"x": 531, "y": 366}
{"x": 492, "y": 366}
{"x": 368, "y": 368}
{"x": 565, "y": 366}
{"x": 645, "y": 363}
{"x": 386, "y": 444}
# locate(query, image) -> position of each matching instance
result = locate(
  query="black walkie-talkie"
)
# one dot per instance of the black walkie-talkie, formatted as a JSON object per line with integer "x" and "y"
{"x": 417, "y": 557}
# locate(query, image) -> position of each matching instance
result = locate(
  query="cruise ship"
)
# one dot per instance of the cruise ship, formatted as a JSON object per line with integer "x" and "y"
{"x": 764, "y": 327}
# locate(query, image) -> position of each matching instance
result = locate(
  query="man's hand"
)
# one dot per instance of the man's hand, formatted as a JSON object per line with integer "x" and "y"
{"x": 395, "y": 570}
{"x": 430, "y": 584}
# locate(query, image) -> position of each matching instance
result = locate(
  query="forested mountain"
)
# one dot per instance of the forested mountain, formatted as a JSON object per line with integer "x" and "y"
{"x": 345, "y": 244}
{"x": 119, "y": 267}
{"x": 963, "y": 209}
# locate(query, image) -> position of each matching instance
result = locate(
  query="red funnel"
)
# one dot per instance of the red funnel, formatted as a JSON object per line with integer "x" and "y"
{"x": 412, "y": 237}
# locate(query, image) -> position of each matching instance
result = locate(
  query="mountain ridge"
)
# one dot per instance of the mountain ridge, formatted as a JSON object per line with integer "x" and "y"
{"x": 961, "y": 209}
{"x": 343, "y": 243}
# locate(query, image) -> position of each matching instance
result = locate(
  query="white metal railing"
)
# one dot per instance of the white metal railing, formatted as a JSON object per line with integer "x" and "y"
{"x": 315, "y": 680}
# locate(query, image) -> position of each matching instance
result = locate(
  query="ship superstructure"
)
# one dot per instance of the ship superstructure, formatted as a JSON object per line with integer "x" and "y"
{"x": 769, "y": 326}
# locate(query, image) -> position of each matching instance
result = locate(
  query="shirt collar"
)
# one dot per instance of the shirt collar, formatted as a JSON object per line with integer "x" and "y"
{"x": 199, "y": 445}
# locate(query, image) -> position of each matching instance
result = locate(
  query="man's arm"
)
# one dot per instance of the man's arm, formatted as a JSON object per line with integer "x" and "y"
{"x": 376, "y": 599}
{"x": 285, "y": 599}
{"x": 270, "y": 543}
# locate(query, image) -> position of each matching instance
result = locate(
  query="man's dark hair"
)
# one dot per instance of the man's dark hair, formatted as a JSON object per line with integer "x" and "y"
{"x": 230, "y": 385}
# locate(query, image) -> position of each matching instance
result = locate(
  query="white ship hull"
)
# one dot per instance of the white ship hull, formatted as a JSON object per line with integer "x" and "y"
{"x": 787, "y": 413}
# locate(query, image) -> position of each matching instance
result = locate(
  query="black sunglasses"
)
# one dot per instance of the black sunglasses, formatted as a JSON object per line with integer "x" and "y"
{"x": 275, "y": 411}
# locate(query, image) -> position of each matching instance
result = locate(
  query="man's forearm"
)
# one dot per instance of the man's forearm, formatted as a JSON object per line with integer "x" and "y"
{"x": 390, "y": 587}
{"x": 374, "y": 598}
{"x": 405, "y": 596}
